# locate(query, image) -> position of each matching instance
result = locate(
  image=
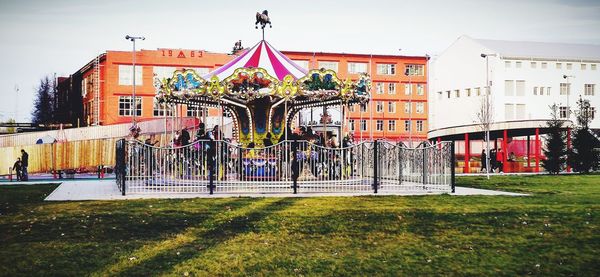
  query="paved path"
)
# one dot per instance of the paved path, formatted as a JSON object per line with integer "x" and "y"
{"x": 107, "y": 190}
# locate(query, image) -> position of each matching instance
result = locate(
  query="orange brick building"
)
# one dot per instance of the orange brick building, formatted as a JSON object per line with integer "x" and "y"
{"x": 399, "y": 102}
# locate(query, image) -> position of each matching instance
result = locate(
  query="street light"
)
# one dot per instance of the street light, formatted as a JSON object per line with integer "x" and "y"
{"x": 487, "y": 115}
{"x": 408, "y": 72}
{"x": 134, "y": 102}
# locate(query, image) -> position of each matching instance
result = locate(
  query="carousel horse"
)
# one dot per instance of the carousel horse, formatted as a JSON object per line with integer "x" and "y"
{"x": 263, "y": 19}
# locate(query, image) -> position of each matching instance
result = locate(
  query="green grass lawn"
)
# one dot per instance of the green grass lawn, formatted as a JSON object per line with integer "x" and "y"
{"x": 555, "y": 231}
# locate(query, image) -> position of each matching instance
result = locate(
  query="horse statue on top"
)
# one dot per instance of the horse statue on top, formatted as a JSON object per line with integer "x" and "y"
{"x": 263, "y": 19}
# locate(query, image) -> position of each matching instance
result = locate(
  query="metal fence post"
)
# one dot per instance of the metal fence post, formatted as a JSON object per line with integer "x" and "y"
{"x": 120, "y": 165}
{"x": 399, "y": 163}
{"x": 424, "y": 165}
{"x": 375, "y": 166}
{"x": 452, "y": 169}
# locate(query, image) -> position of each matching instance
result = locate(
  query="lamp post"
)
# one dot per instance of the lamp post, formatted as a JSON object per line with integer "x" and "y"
{"x": 486, "y": 110}
{"x": 134, "y": 102}
{"x": 408, "y": 73}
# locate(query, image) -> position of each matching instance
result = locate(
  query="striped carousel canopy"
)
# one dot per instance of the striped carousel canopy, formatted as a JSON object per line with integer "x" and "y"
{"x": 261, "y": 55}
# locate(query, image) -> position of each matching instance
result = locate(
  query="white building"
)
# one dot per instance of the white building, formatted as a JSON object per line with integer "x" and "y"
{"x": 526, "y": 79}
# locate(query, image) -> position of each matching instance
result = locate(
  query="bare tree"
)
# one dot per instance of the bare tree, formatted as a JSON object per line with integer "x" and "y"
{"x": 485, "y": 117}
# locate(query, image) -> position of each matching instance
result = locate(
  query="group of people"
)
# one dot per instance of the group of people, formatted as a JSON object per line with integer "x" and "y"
{"x": 20, "y": 166}
{"x": 496, "y": 159}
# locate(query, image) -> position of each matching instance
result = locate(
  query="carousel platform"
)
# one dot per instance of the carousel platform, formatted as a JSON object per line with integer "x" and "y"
{"x": 107, "y": 190}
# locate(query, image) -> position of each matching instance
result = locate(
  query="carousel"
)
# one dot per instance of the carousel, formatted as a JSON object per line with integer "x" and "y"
{"x": 262, "y": 90}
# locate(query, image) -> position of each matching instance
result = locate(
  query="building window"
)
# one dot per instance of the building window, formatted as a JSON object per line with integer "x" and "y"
{"x": 563, "y": 112}
{"x": 356, "y": 68}
{"x": 407, "y": 107}
{"x": 379, "y": 88}
{"x": 420, "y": 107}
{"x": 352, "y": 108}
{"x": 392, "y": 125}
{"x": 509, "y": 87}
{"x": 548, "y": 90}
{"x": 379, "y": 126}
{"x": 329, "y": 65}
{"x": 509, "y": 111}
{"x": 518, "y": 64}
{"x": 363, "y": 125}
{"x": 507, "y": 64}
{"x": 302, "y": 63}
{"x": 520, "y": 110}
{"x": 593, "y": 66}
{"x": 407, "y": 125}
{"x": 125, "y": 105}
{"x": 468, "y": 91}
{"x": 392, "y": 107}
{"x": 160, "y": 109}
{"x": 544, "y": 65}
{"x": 363, "y": 108}
{"x": 520, "y": 88}
{"x": 457, "y": 93}
{"x": 351, "y": 123}
{"x": 195, "y": 111}
{"x": 407, "y": 89}
{"x": 391, "y": 88}
{"x": 163, "y": 72}
{"x": 126, "y": 75}
{"x": 419, "y": 125}
{"x": 379, "y": 107}
{"x": 535, "y": 90}
{"x": 541, "y": 90}
{"x": 84, "y": 87}
{"x": 448, "y": 93}
{"x": 533, "y": 64}
{"x": 420, "y": 89}
{"x": 558, "y": 65}
{"x": 414, "y": 70}
{"x": 590, "y": 89}
{"x": 565, "y": 89}
{"x": 478, "y": 91}
{"x": 583, "y": 66}
{"x": 386, "y": 69}
{"x": 569, "y": 66}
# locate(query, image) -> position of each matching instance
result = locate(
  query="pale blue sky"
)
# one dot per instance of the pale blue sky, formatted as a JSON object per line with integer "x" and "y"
{"x": 39, "y": 38}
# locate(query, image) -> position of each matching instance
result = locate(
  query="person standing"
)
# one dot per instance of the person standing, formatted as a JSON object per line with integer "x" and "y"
{"x": 483, "y": 161}
{"x": 25, "y": 164}
{"x": 18, "y": 167}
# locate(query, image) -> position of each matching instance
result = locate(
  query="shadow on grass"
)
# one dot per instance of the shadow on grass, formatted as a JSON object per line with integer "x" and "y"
{"x": 206, "y": 239}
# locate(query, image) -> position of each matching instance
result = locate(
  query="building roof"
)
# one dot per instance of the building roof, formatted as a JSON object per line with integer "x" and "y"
{"x": 261, "y": 55}
{"x": 545, "y": 50}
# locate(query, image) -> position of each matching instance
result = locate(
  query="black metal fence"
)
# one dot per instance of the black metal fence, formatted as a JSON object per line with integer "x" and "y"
{"x": 290, "y": 166}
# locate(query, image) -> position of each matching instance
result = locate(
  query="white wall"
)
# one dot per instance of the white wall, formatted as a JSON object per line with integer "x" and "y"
{"x": 461, "y": 66}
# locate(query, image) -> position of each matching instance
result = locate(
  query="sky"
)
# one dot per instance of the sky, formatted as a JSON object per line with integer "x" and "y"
{"x": 41, "y": 38}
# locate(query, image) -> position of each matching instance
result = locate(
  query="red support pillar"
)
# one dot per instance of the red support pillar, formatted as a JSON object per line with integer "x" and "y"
{"x": 528, "y": 151}
{"x": 537, "y": 150}
{"x": 504, "y": 150}
{"x": 568, "y": 147}
{"x": 467, "y": 153}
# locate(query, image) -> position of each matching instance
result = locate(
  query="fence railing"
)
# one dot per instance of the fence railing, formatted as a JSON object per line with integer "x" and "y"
{"x": 290, "y": 166}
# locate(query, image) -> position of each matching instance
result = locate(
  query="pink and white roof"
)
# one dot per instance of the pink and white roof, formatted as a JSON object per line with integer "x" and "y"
{"x": 261, "y": 55}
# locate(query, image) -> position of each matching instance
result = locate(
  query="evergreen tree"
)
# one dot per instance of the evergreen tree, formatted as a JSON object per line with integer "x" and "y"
{"x": 555, "y": 148}
{"x": 43, "y": 105}
{"x": 583, "y": 157}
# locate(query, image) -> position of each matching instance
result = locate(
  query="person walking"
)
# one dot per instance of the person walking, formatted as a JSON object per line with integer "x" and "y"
{"x": 483, "y": 161}
{"x": 25, "y": 164}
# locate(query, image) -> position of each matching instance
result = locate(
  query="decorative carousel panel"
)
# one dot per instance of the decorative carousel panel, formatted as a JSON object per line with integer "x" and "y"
{"x": 250, "y": 83}
{"x": 320, "y": 84}
{"x": 186, "y": 84}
